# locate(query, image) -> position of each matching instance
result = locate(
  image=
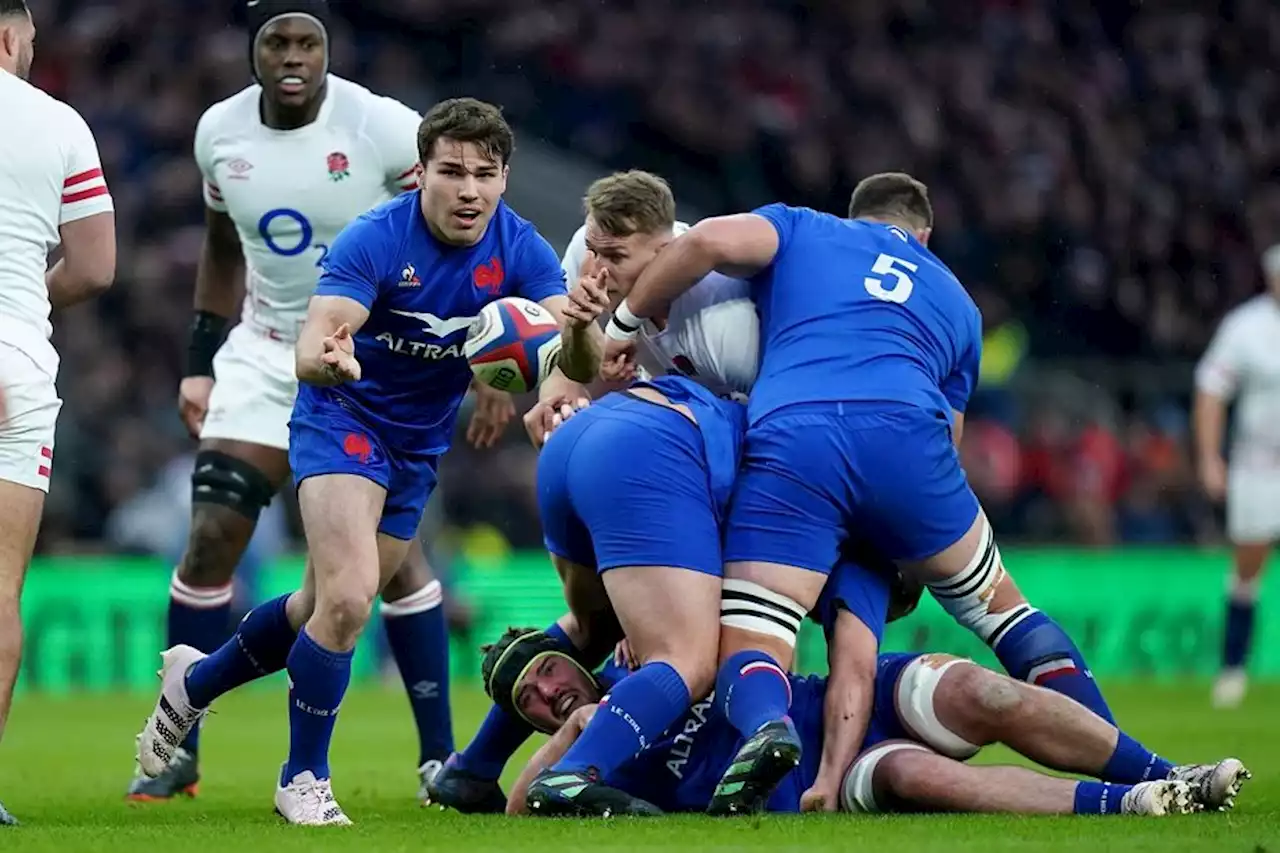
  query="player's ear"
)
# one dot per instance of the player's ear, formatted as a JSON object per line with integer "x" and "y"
{"x": 923, "y": 236}
{"x": 506, "y": 170}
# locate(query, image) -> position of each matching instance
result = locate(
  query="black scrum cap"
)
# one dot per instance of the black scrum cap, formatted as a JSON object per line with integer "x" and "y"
{"x": 260, "y": 13}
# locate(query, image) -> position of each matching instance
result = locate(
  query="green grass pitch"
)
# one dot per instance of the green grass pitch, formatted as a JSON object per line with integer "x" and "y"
{"x": 65, "y": 761}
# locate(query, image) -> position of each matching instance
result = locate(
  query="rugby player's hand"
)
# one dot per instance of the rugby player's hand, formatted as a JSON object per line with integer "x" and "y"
{"x": 1213, "y": 477}
{"x": 547, "y": 415}
{"x": 339, "y": 356}
{"x": 193, "y": 402}
{"x": 493, "y": 411}
{"x": 615, "y": 350}
{"x": 618, "y": 371}
{"x": 623, "y": 656}
{"x": 588, "y": 300}
{"x": 823, "y": 796}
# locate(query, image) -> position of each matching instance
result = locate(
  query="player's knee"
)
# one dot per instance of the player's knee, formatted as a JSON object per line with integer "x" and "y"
{"x": 883, "y": 776}
{"x": 344, "y": 612}
{"x": 223, "y": 480}
{"x": 981, "y": 595}
{"x": 988, "y": 702}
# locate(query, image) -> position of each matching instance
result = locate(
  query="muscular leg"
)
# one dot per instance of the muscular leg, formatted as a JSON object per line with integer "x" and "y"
{"x": 418, "y": 635}
{"x": 969, "y": 580}
{"x": 1242, "y": 599}
{"x": 19, "y": 524}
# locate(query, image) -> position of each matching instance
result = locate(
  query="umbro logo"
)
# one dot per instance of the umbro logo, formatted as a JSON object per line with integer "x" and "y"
{"x": 239, "y": 169}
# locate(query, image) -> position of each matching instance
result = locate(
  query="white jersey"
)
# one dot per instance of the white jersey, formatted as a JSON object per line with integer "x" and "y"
{"x": 1244, "y": 360}
{"x": 290, "y": 192}
{"x": 712, "y": 333}
{"x": 50, "y": 175}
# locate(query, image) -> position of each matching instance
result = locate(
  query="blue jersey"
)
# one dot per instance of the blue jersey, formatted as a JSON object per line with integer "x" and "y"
{"x": 422, "y": 295}
{"x": 852, "y": 310}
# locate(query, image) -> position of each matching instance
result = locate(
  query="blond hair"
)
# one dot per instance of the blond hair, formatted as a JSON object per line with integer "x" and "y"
{"x": 632, "y": 202}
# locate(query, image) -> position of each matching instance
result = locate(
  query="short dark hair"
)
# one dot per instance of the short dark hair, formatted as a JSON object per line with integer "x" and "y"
{"x": 892, "y": 195}
{"x": 13, "y": 7}
{"x": 466, "y": 120}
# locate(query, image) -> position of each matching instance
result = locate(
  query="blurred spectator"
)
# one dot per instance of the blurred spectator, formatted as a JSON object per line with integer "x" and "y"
{"x": 1103, "y": 174}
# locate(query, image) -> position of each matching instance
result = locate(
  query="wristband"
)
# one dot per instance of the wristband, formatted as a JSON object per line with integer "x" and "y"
{"x": 624, "y": 325}
{"x": 207, "y": 331}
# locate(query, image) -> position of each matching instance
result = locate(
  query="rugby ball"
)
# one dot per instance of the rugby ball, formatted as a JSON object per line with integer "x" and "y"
{"x": 513, "y": 345}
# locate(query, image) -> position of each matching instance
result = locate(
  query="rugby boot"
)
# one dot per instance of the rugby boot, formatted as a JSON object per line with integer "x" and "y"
{"x": 461, "y": 790}
{"x": 556, "y": 793}
{"x": 180, "y": 778}
{"x": 766, "y": 757}
{"x": 7, "y": 819}
{"x": 173, "y": 717}
{"x": 308, "y": 801}
{"x": 1159, "y": 798}
{"x": 1214, "y": 786}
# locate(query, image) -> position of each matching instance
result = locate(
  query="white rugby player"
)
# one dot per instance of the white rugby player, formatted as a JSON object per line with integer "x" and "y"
{"x": 287, "y": 163}
{"x": 51, "y": 192}
{"x": 1242, "y": 363}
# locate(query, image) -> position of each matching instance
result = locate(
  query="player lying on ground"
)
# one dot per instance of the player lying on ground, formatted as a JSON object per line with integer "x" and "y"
{"x": 366, "y": 433}
{"x": 287, "y": 163}
{"x": 871, "y": 350}
{"x": 932, "y": 712}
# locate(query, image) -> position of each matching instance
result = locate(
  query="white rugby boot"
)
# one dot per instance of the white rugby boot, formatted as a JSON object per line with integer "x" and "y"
{"x": 308, "y": 801}
{"x": 1229, "y": 688}
{"x": 1159, "y": 798}
{"x": 1214, "y": 786}
{"x": 173, "y": 717}
{"x": 426, "y": 775}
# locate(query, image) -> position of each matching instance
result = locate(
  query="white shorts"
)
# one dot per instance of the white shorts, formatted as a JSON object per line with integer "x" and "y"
{"x": 1253, "y": 504}
{"x": 253, "y": 392}
{"x": 31, "y": 405}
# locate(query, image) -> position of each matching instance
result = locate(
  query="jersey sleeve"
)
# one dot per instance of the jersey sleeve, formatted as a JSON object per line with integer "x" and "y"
{"x": 204, "y": 159}
{"x": 1224, "y": 362}
{"x": 960, "y": 385}
{"x": 783, "y": 220}
{"x": 860, "y": 590}
{"x": 84, "y": 188}
{"x": 351, "y": 267}
{"x": 394, "y": 130}
{"x": 539, "y": 275}
{"x": 575, "y": 254}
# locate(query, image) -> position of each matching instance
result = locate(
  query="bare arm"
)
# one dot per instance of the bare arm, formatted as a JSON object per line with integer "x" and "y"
{"x": 220, "y": 272}
{"x": 846, "y": 710}
{"x": 957, "y": 430}
{"x": 326, "y": 316}
{"x": 582, "y": 348}
{"x": 1210, "y": 420}
{"x": 549, "y": 753}
{"x": 739, "y": 246}
{"x": 88, "y": 264}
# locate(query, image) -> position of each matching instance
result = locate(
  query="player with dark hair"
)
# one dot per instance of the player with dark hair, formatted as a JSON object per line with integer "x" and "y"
{"x": 287, "y": 163}
{"x": 382, "y": 376}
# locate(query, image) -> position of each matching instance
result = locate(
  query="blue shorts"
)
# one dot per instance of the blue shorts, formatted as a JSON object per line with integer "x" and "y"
{"x": 330, "y": 439}
{"x": 808, "y": 695}
{"x": 624, "y": 483}
{"x": 815, "y": 475}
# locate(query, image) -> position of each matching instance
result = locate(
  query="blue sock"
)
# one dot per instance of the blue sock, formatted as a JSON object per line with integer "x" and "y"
{"x": 751, "y": 690}
{"x": 419, "y": 640}
{"x": 636, "y": 712}
{"x": 260, "y": 646}
{"x": 1238, "y": 632}
{"x": 199, "y": 617}
{"x": 1099, "y": 797}
{"x": 1037, "y": 651}
{"x": 501, "y": 735}
{"x": 319, "y": 680}
{"x": 1132, "y": 763}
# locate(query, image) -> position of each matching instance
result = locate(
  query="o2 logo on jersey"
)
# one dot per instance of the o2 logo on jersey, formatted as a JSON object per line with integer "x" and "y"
{"x": 888, "y": 265}
{"x": 298, "y": 230}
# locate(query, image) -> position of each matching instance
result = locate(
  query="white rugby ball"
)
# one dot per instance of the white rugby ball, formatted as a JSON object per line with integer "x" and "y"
{"x": 513, "y": 345}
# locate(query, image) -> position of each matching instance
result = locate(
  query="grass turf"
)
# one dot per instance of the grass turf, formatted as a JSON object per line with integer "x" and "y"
{"x": 65, "y": 762}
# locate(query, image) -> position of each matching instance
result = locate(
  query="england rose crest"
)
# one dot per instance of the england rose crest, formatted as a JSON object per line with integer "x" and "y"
{"x": 339, "y": 166}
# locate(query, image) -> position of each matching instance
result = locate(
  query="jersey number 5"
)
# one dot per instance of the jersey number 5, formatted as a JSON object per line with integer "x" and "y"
{"x": 888, "y": 265}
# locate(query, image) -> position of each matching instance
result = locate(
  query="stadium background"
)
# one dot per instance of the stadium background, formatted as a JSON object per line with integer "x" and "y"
{"x": 1104, "y": 178}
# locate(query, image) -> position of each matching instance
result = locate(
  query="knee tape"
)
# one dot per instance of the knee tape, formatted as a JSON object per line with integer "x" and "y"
{"x": 230, "y": 482}
{"x": 750, "y": 607}
{"x": 967, "y": 595}
{"x": 857, "y": 792}
{"x": 914, "y": 697}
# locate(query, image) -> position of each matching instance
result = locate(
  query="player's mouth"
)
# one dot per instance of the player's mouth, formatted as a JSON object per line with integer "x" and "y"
{"x": 565, "y": 705}
{"x": 466, "y": 217}
{"x": 292, "y": 85}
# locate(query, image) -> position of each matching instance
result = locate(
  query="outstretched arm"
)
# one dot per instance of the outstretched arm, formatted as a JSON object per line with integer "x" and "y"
{"x": 549, "y": 753}
{"x": 325, "y": 341}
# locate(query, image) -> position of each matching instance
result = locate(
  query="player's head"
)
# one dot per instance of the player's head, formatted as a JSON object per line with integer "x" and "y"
{"x": 897, "y": 199}
{"x": 17, "y": 38}
{"x": 289, "y": 49}
{"x": 629, "y": 219}
{"x": 464, "y": 146}
{"x": 527, "y": 675}
{"x": 1271, "y": 269}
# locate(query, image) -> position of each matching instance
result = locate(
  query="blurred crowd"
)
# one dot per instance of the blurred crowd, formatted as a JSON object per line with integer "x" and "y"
{"x": 1104, "y": 175}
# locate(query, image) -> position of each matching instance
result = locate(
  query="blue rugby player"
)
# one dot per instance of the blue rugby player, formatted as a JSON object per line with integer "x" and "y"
{"x": 932, "y": 712}
{"x": 661, "y": 592}
{"x": 382, "y": 378}
{"x": 870, "y": 352}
